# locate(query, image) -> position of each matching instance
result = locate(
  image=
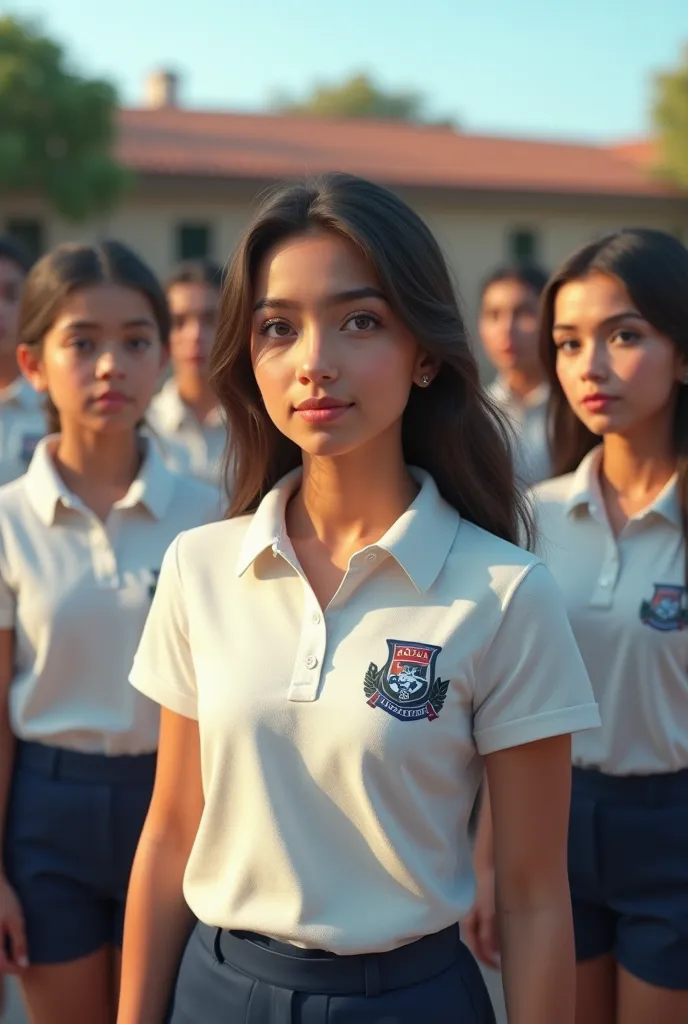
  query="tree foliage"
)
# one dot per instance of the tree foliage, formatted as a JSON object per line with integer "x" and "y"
{"x": 56, "y": 128}
{"x": 358, "y": 96}
{"x": 671, "y": 121}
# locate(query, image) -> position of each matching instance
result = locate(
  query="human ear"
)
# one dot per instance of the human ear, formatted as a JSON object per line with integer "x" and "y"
{"x": 30, "y": 363}
{"x": 426, "y": 369}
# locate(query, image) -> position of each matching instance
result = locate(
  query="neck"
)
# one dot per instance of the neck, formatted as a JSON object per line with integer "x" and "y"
{"x": 88, "y": 460}
{"x": 522, "y": 382}
{"x": 639, "y": 465}
{"x": 350, "y": 501}
{"x": 197, "y": 396}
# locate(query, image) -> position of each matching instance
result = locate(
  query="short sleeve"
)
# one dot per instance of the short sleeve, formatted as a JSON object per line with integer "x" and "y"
{"x": 531, "y": 682}
{"x": 8, "y": 597}
{"x": 163, "y": 667}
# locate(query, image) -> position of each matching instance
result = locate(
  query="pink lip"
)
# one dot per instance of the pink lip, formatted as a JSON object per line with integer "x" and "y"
{"x": 598, "y": 402}
{"x": 111, "y": 398}
{"x": 322, "y": 410}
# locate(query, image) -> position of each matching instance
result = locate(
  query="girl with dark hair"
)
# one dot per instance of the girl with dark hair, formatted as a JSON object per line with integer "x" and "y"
{"x": 22, "y": 422}
{"x": 613, "y": 529}
{"x": 334, "y": 661}
{"x": 82, "y": 536}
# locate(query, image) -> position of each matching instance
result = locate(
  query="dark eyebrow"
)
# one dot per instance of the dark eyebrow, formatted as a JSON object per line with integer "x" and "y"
{"x": 92, "y": 325}
{"x": 332, "y": 300}
{"x": 629, "y": 314}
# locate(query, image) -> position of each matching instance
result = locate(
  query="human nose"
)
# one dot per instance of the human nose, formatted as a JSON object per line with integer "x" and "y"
{"x": 109, "y": 363}
{"x": 316, "y": 362}
{"x": 594, "y": 361}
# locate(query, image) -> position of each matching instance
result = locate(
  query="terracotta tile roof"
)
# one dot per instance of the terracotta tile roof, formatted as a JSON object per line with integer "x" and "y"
{"x": 267, "y": 147}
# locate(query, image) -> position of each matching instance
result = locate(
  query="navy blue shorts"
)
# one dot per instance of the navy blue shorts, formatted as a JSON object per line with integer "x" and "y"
{"x": 247, "y": 979}
{"x": 628, "y": 868}
{"x": 73, "y": 824}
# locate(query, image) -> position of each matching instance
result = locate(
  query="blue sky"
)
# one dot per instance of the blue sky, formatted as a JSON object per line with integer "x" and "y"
{"x": 567, "y": 68}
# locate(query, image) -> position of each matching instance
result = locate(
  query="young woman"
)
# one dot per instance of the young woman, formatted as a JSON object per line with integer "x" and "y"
{"x": 508, "y": 327}
{"x": 82, "y": 536}
{"x": 613, "y": 532}
{"x": 22, "y": 422}
{"x": 332, "y": 660}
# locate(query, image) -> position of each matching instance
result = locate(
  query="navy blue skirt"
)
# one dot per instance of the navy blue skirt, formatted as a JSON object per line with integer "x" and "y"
{"x": 628, "y": 868}
{"x": 249, "y": 979}
{"x": 73, "y": 824}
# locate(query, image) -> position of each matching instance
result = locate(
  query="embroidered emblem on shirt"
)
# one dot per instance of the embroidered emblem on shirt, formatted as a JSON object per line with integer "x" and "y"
{"x": 666, "y": 610}
{"x": 28, "y": 446}
{"x": 155, "y": 573}
{"x": 406, "y": 686}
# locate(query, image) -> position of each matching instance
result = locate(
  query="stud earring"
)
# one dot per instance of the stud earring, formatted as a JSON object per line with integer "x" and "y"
{"x": 425, "y": 380}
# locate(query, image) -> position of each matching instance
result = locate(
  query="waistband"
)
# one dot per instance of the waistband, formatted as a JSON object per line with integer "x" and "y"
{"x": 668, "y": 788}
{"x": 75, "y": 766}
{"x": 317, "y": 971}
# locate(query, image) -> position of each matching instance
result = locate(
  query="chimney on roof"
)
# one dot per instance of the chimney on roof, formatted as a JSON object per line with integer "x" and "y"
{"x": 162, "y": 90}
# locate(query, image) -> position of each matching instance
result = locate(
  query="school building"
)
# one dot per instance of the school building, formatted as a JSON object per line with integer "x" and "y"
{"x": 487, "y": 199}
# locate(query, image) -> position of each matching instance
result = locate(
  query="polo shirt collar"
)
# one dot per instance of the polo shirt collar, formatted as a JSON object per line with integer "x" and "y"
{"x": 420, "y": 540}
{"x": 585, "y": 491}
{"x": 46, "y": 490}
{"x": 174, "y": 414}
{"x": 502, "y": 393}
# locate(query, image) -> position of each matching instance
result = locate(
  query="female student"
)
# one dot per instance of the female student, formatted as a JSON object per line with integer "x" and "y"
{"x": 22, "y": 422}
{"x": 613, "y": 532}
{"x": 82, "y": 536}
{"x": 333, "y": 659}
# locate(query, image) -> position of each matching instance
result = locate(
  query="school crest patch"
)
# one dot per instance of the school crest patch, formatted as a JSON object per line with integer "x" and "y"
{"x": 666, "y": 608}
{"x": 406, "y": 686}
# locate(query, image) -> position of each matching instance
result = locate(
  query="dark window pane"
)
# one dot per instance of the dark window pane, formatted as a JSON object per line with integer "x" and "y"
{"x": 523, "y": 246}
{"x": 193, "y": 241}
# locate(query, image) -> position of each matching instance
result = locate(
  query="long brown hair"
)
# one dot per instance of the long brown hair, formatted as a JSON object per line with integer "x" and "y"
{"x": 71, "y": 267}
{"x": 653, "y": 268}
{"x": 449, "y": 429}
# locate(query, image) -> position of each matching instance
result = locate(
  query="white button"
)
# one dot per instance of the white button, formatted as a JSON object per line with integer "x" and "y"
{"x": 315, "y": 617}
{"x": 371, "y": 557}
{"x": 311, "y": 661}
{"x": 604, "y": 582}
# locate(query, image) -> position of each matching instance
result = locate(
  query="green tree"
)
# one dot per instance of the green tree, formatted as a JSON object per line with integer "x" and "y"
{"x": 56, "y": 128}
{"x": 358, "y": 96}
{"x": 671, "y": 121}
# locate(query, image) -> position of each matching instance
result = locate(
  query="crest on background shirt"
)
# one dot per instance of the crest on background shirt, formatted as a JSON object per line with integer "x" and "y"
{"x": 666, "y": 609}
{"x": 406, "y": 686}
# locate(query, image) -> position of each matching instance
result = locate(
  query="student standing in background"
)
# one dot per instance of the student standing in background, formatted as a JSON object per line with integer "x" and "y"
{"x": 613, "y": 531}
{"x": 508, "y": 322}
{"x": 185, "y": 413}
{"x": 22, "y": 421}
{"x": 82, "y": 536}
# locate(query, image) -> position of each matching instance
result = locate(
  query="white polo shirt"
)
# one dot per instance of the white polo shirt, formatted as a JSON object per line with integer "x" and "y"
{"x": 22, "y": 425}
{"x": 340, "y": 747}
{"x": 626, "y": 600}
{"x": 528, "y": 418}
{"x": 76, "y": 591}
{"x": 191, "y": 448}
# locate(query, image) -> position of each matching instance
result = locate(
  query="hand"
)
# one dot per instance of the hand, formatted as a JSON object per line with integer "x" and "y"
{"x": 13, "y": 950}
{"x": 480, "y": 926}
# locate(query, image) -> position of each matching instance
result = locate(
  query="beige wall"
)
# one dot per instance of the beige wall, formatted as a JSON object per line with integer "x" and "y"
{"x": 474, "y": 233}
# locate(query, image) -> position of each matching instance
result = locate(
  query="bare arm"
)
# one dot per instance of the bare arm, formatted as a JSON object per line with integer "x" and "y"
{"x": 158, "y": 920}
{"x": 13, "y": 959}
{"x": 530, "y": 791}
